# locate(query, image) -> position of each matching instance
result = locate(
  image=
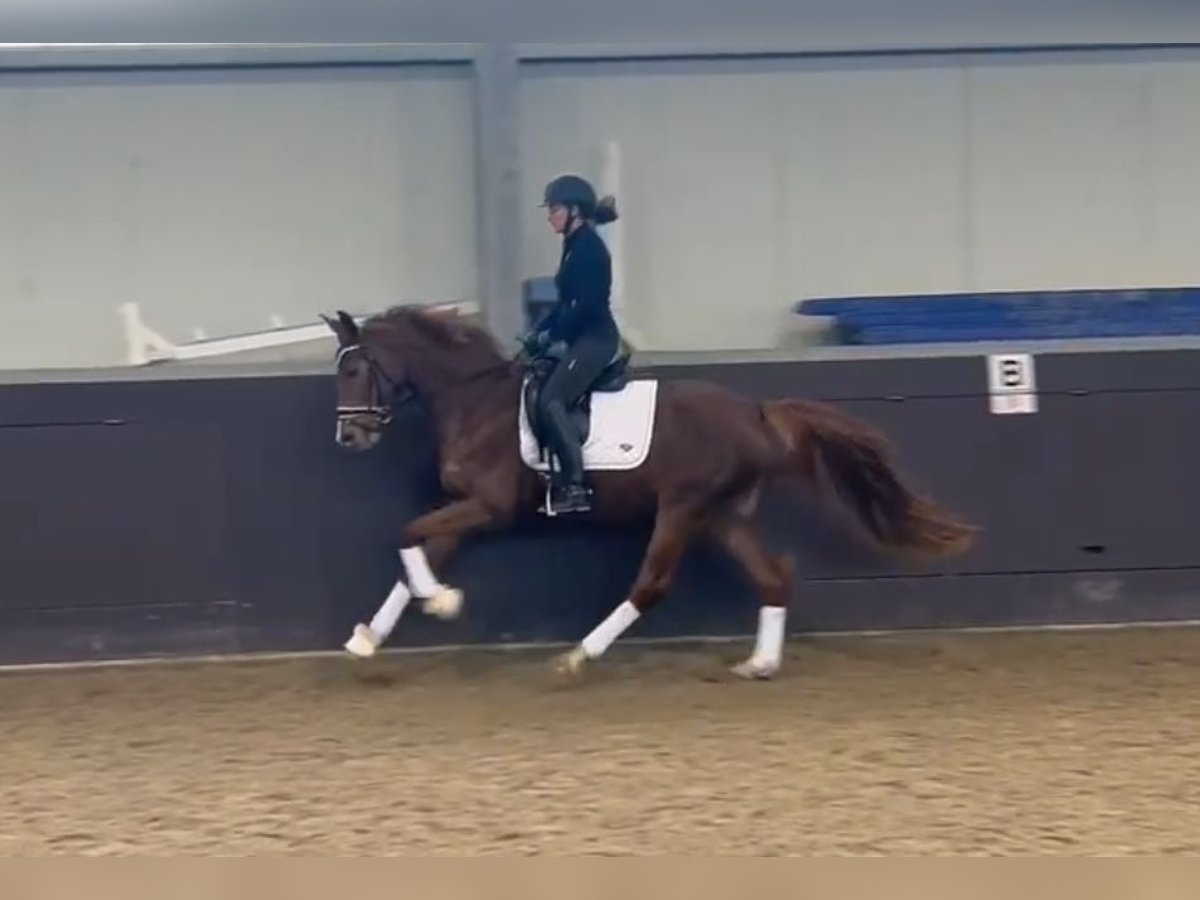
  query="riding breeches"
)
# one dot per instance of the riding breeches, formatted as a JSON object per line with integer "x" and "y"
{"x": 579, "y": 368}
{"x": 574, "y": 375}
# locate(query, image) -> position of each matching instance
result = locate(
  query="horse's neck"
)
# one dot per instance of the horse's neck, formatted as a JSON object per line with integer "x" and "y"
{"x": 458, "y": 389}
{"x": 456, "y": 401}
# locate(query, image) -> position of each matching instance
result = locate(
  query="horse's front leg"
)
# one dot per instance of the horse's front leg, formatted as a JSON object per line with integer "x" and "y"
{"x": 427, "y": 542}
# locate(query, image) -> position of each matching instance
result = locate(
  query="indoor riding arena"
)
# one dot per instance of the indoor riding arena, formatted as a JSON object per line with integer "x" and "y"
{"x": 1048, "y": 743}
{"x": 978, "y": 250}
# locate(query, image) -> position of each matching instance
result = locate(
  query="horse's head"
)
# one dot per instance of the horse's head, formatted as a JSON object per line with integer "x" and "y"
{"x": 405, "y": 351}
{"x": 366, "y": 390}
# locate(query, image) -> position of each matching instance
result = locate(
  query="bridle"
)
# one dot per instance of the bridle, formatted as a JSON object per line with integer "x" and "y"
{"x": 382, "y": 385}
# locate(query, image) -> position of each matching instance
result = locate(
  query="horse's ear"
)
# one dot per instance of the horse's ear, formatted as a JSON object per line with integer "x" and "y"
{"x": 336, "y": 327}
{"x": 349, "y": 326}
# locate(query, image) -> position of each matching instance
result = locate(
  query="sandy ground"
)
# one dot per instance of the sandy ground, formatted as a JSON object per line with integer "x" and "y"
{"x": 1076, "y": 743}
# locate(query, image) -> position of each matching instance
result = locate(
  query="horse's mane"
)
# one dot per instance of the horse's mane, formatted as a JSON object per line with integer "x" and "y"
{"x": 444, "y": 328}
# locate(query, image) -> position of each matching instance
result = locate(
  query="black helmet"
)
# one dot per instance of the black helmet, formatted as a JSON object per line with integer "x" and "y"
{"x": 570, "y": 190}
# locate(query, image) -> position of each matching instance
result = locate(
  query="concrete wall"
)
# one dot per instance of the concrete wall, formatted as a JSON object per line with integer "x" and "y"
{"x": 750, "y": 184}
{"x": 226, "y": 198}
{"x": 220, "y": 199}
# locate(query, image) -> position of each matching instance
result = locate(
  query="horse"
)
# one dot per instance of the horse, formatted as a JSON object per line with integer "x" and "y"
{"x": 690, "y": 457}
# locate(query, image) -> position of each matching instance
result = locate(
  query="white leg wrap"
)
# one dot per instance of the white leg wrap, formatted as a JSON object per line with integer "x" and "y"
{"x": 610, "y": 629}
{"x": 387, "y": 616}
{"x": 420, "y": 576}
{"x": 768, "y": 647}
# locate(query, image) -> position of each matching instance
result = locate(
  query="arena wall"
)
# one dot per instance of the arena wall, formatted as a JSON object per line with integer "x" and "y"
{"x": 211, "y": 512}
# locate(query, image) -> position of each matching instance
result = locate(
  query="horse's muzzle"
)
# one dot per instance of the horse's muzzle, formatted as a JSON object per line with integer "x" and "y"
{"x": 361, "y": 429}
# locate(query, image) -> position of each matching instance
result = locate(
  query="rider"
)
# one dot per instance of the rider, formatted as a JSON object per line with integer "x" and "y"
{"x": 581, "y": 319}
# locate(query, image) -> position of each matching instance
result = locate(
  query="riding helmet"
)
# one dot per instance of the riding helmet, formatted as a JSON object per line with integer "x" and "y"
{"x": 570, "y": 190}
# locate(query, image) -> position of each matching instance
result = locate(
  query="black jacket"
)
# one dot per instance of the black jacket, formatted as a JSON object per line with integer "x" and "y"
{"x": 584, "y": 283}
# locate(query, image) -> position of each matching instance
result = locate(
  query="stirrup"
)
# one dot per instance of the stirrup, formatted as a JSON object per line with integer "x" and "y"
{"x": 579, "y": 504}
{"x": 579, "y": 500}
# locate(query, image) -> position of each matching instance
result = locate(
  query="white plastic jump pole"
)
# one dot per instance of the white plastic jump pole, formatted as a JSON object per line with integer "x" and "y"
{"x": 142, "y": 344}
{"x": 145, "y": 345}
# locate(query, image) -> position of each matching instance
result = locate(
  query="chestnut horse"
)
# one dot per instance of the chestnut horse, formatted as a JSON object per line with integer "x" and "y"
{"x": 710, "y": 453}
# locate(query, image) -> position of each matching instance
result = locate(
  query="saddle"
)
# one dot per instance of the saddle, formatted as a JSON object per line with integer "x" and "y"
{"x": 613, "y": 379}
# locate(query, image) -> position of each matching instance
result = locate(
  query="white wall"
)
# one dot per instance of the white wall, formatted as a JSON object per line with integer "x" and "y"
{"x": 219, "y": 200}
{"x": 748, "y": 186}
{"x": 811, "y": 24}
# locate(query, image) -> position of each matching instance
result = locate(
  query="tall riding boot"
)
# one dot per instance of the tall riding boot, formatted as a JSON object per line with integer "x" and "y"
{"x": 569, "y": 493}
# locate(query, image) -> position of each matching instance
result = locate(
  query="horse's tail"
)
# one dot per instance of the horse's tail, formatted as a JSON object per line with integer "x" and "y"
{"x": 857, "y": 460}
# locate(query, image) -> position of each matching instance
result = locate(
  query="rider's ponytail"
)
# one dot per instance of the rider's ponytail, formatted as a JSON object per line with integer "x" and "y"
{"x": 606, "y": 210}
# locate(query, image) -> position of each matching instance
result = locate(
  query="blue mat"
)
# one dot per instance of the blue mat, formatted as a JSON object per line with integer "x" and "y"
{"x": 1011, "y": 315}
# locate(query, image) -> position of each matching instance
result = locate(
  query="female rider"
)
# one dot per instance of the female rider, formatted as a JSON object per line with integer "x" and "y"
{"x": 582, "y": 319}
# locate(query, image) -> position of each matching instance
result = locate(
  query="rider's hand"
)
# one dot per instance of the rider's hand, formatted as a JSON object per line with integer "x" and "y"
{"x": 535, "y": 342}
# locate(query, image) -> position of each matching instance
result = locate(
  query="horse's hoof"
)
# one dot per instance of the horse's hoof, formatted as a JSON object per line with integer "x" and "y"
{"x": 446, "y": 604}
{"x": 754, "y": 670}
{"x": 362, "y": 643}
{"x": 571, "y": 663}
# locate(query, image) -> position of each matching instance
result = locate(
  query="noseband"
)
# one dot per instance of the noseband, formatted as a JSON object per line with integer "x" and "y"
{"x": 379, "y": 380}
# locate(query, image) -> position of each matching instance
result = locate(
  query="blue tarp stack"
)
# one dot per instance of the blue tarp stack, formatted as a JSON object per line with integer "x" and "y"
{"x": 1036, "y": 315}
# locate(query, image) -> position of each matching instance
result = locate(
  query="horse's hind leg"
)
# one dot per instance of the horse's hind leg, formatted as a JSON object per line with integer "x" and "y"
{"x": 428, "y": 541}
{"x": 771, "y": 577}
{"x": 674, "y": 527}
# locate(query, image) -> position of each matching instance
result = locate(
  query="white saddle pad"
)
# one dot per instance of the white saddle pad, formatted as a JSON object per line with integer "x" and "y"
{"x": 622, "y": 423}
